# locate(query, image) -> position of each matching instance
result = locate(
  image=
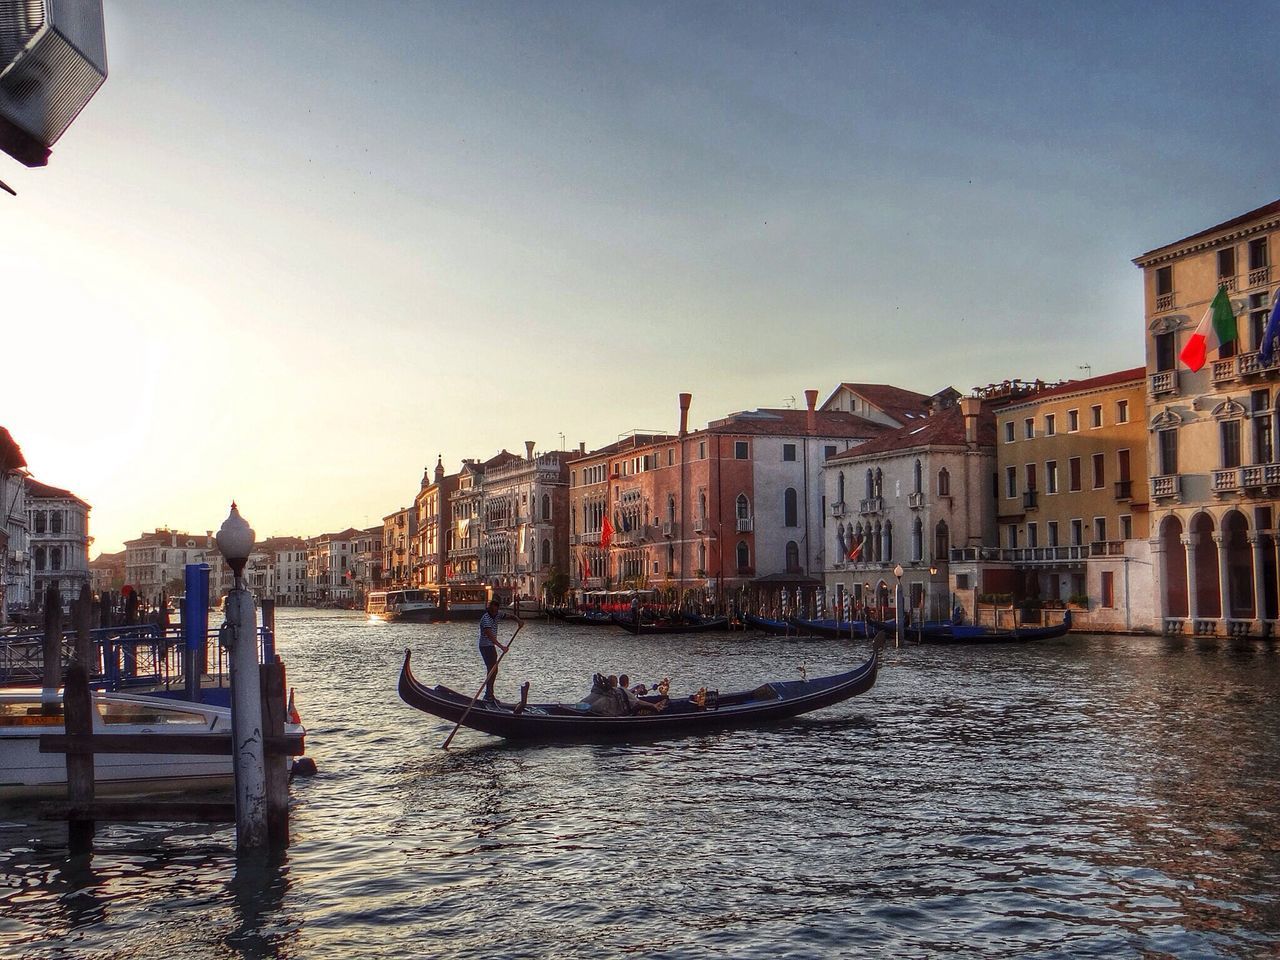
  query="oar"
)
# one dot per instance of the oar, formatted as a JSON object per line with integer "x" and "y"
{"x": 493, "y": 672}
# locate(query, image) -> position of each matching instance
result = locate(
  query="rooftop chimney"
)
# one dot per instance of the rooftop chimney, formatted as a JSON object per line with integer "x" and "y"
{"x": 811, "y": 419}
{"x": 685, "y": 399}
{"x": 582, "y": 447}
{"x": 528, "y": 450}
{"x": 970, "y": 407}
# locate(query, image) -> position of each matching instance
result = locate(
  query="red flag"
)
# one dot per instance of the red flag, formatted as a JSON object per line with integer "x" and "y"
{"x": 606, "y": 533}
{"x": 857, "y": 550}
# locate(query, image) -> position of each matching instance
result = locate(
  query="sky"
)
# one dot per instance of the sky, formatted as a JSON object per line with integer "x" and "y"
{"x": 293, "y": 251}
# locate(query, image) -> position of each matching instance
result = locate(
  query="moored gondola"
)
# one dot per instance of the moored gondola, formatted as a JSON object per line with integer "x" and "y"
{"x": 835, "y": 629}
{"x": 683, "y": 625}
{"x": 550, "y": 722}
{"x": 971, "y": 633}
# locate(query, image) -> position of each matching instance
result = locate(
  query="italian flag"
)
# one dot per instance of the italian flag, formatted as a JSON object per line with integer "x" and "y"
{"x": 1217, "y": 327}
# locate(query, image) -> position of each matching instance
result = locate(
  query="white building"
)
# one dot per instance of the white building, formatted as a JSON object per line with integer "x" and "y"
{"x": 15, "y": 578}
{"x": 58, "y": 530}
{"x": 155, "y": 563}
{"x": 289, "y": 582}
{"x": 525, "y": 523}
{"x": 329, "y": 569}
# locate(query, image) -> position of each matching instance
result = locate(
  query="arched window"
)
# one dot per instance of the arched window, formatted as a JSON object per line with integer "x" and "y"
{"x": 871, "y": 484}
{"x": 744, "y": 556}
{"x": 941, "y": 541}
{"x": 918, "y": 476}
{"x": 877, "y": 541}
{"x": 702, "y": 506}
{"x": 55, "y": 557}
{"x": 789, "y": 511}
{"x": 743, "y": 507}
{"x": 879, "y": 491}
{"x": 39, "y": 558}
{"x": 671, "y": 509}
{"x": 841, "y": 542}
{"x": 917, "y": 540}
{"x": 702, "y": 558}
{"x": 671, "y": 557}
{"x": 546, "y": 553}
{"x": 840, "y": 487}
{"x": 887, "y": 549}
{"x": 944, "y": 482}
{"x": 546, "y": 506}
{"x": 793, "y": 557}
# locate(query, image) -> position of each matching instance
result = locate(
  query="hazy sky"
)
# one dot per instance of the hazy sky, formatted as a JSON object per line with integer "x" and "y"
{"x": 293, "y": 250}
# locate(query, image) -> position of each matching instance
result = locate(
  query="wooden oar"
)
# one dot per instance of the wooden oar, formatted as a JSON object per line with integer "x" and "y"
{"x": 493, "y": 672}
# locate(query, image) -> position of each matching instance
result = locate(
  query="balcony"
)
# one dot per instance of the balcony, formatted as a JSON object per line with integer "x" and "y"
{"x": 1034, "y": 556}
{"x": 1259, "y": 276}
{"x": 669, "y": 529}
{"x": 837, "y": 510}
{"x": 1225, "y": 370}
{"x": 915, "y": 501}
{"x": 1029, "y": 499}
{"x": 1228, "y": 282}
{"x": 745, "y": 524}
{"x": 1167, "y": 486}
{"x": 1106, "y": 548}
{"x": 699, "y": 524}
{"x": 1262, "y": 475}
{"x": 1164, "y": 301}
{"x": 871, "y": 505}
{"x": 1124, "y": 489}
{"x": 1166, "y": 381}
{"x": 1226, "y": 481}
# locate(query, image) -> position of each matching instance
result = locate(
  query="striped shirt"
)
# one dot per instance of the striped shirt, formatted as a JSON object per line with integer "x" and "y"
{"x": 488, "y": 629}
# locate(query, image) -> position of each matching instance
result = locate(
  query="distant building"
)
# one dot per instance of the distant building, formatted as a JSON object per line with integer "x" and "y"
{"x": 399, "y": 532}
{"x": 58, "y": 525}
{"x": 525, "y": 530}
{"x": 465, "y": 534}
{"x": 366, "y": 563}
{"x": 330, "y": 573}
{"x": 15, "y": 555}
{"x": 106, "y": 572}
{"x": 156, "y": 562}
{"x": 432, "y": 508}
{"x": 288, "y": 583}
{"x": 1215, "y": 463}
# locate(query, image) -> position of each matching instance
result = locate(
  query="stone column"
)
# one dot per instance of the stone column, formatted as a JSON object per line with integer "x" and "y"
{"x": 1224, "y": 605}
{"x": 1189, "y": 544}
{"x": 1159, "y": 561}
{"x": 1255, "y": 541}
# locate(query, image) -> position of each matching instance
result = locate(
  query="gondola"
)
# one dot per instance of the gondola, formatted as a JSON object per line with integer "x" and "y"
{"x": 549, "y": 722}
{"x": 656, "y": 627}
{"x": 780, "y": 628}
{"x": 969, "y": 633}
{"x": 835, "y": 629}
{"x": 590, "y": 618}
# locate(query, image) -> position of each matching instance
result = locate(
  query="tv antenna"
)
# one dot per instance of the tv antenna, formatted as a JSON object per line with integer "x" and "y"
{"x": 790, "y": 402}
{"x": 1088, "y": 369}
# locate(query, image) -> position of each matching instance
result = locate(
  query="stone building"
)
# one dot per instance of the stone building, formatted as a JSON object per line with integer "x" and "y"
{"x": 106, "y": 572}
{"x": 289, "y": 569}
{"x": 329, "y": 569}
{"x": 399, "y": 533}
{"x": 1215, "y": 464}
{"x": 465, "y": 533}
{"x": 58, "y": 526}
{"x": 525, "y": 528}
{"x": 432, "y": 508}
{"x": 155, "y": 563}
{"x": 15, "y": 556}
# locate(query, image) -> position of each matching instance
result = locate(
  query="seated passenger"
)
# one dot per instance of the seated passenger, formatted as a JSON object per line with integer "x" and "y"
{"x": 605, "y": 700}
{"x": 633, "y": 703}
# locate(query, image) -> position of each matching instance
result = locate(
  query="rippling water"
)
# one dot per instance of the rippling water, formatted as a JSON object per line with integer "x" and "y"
{"x": 1088, "y": 796}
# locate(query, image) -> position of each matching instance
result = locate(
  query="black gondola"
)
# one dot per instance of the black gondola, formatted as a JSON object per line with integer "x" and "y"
{"x": 644, "y": 628}
{"x": 549, "y": 722}
{"x": 963, "y": 633}
{"x": 835, "y": 629}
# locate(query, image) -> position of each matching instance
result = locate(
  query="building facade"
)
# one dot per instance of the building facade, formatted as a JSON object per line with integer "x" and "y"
{"x": 15, "y": 562}
{"x": 155, "y": 563}
{"x": 432, "y": 508}
{"x": 399, "y": 531}
{"x": 525, "y": 534}
{"x": 58, "y": 530}
{"x": 1214, "y": 462}
{"x": 289, "y": 569}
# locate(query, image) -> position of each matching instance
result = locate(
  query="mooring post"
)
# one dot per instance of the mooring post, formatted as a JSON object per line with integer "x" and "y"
{"x": 195, "y": 626}
{"x": 82, "y": 619}
{"x": 273, "y": 710}
{"x": 268, "y": 629}
{"x": 235, "y": 541}
{"x": 52, "y": 649}
{"x": 78, "y": 721}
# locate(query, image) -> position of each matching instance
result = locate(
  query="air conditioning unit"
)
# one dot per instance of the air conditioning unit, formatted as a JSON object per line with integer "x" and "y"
{"x": 53, "y": 59}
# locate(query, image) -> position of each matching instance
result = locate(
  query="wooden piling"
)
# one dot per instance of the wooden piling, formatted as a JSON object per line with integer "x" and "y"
{"x": 52, "y": 650}
{"x": 77, "y": 709}
{"x": 272, "y": 685}
{"x": 82, "y": 619}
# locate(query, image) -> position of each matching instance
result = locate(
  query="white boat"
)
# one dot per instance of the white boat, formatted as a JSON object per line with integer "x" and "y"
{"x": 26, "y": 772}
{"x": 413, "y": 605}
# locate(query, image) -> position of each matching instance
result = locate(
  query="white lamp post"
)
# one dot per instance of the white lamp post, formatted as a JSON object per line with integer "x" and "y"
{"x": 899, "y": 608}
{"x": 235, "y": 542}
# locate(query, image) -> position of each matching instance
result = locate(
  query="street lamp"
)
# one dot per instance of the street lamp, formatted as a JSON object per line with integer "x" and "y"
{"x": 235, "y": 543}
{"x": 900, "y": 614}
{"x": 928, "y": 587}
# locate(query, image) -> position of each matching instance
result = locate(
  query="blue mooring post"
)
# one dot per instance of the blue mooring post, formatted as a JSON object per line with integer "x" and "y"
{"x": 195, "y": 624}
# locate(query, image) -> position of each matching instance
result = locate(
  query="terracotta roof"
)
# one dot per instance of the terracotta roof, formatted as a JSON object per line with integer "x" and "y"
{"x": 943, "y": 429}
{"x": 1080, "y": 386}
{"x": 795, "y": 423}
{"x": 10, "y": 453}
{"x": 895, "y": 401}
{"x": 1267, "y": 210}
{"x": 42, "y": 491}
{"x": 284, "y": 543}
{"x": 633, "y": 441}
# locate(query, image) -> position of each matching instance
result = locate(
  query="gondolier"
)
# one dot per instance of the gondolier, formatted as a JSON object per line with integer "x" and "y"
{"x": 487, "y": 642}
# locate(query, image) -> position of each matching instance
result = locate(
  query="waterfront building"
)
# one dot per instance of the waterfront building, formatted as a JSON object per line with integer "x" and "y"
{"x": 884, "y": 403}
{"x": 399, "y": 531}
{"x": 1215, "y": 465}
{"x": 906, "y": 498}
{"x": 15, "y": 578}
{"x": 1070, "y": 505}
{"x": 431, "y": 506}
{"x": 106, "y": 572}
{"x": 155, "y": 563}
{"x": 289, "y": 569}
{"x": 366, "y": 562}
{"x": 329, "y": 569}
{"x": 465, "y": 532}
{"x": 58, "y": 530}
{"x": 733, "y": 511}
{"x": 525, "y": 529}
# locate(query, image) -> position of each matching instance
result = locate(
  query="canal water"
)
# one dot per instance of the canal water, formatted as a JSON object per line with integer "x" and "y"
{"x": 1089, "y": 796}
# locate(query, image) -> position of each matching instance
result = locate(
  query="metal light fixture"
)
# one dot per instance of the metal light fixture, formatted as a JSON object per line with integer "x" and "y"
{"x": 933, "y": 569}
{"x": 898, "y": 571}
